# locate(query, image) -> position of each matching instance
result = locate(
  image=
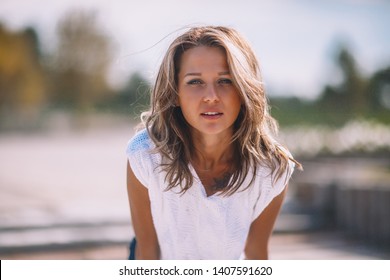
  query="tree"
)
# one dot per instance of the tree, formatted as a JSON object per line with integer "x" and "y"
{"x": 81, "y": 61}
{"x": 350, "y": 97}
{"x": 136, "y": 93}
{"x": 379, "y": 90}
{"x": 354, "y": 85}
{"x": 22, "y": 82}
{"x": 133, "y": 98}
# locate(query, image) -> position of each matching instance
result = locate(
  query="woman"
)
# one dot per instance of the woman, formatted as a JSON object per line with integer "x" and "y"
{"x": 205, "y": 177}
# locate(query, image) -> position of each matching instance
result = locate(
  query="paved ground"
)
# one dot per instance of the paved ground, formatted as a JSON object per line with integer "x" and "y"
{"x": 63, "y": 196}
{"x": 292, "y": 246}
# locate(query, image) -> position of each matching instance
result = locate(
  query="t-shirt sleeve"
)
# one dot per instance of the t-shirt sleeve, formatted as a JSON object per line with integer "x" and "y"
{"x": 271, "y": 188}
{"x": 138, "y": 155}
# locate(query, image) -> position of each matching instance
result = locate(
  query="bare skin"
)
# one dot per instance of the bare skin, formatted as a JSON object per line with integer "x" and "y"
{"x": 210, "y": 104}
{"x": 256, "y": 246}
{"x": 141, "y": 216}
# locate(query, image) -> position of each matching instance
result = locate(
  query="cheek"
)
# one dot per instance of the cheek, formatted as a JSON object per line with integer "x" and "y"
{"x": 236, "y": 100}
{"x": 189, "y": 97}
{"x": 186, "y": 105}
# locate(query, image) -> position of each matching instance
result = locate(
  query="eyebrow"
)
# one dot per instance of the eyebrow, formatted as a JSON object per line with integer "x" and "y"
{"x": 200, "y": 74}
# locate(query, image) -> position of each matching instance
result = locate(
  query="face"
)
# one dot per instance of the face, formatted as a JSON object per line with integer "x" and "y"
{"x": 207, "y": 96}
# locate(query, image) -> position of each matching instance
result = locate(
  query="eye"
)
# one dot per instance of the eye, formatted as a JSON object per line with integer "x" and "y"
{"x": 225, "y": 81}
{"x": 195, "y": 82}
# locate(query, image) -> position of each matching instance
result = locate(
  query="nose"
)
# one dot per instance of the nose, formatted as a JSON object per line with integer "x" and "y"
{"x": 211, "y": 94}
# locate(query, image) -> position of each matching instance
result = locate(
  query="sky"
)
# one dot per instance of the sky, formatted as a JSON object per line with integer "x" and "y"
{"x": 295, "y": 41}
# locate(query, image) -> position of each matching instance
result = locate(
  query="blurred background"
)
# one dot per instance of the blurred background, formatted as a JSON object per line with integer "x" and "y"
{"x": 74, "y": 76}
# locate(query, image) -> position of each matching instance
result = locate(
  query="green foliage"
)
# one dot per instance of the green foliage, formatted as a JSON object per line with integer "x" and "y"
{"x": 379, "y": 91}
{"x": 74, "y": 77}
{"x": 355, "y": 97}
{"x": 80, "y": 63}
{"x": 22, "y": 79}
{"x": 133, "y": 98}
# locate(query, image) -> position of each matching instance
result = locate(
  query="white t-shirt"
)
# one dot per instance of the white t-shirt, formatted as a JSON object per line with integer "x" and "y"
{"x": 193, "y": 225}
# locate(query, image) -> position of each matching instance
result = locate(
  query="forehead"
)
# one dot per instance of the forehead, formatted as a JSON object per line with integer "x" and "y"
{"x": 203, "y": 58}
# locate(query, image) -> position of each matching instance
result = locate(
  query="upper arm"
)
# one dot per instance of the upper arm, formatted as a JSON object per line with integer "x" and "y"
{"x": 147, "y": 243}
{"x": 256, "y": 246}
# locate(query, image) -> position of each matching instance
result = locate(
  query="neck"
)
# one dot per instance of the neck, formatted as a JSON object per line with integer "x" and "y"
{"x": 211, "y": 152}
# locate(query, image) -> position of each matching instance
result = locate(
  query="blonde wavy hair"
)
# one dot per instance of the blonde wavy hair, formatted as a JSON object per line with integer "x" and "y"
{"x": 254, "y": 128}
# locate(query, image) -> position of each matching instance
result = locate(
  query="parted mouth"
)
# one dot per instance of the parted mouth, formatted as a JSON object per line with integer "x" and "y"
{"x": 211, "y": 113}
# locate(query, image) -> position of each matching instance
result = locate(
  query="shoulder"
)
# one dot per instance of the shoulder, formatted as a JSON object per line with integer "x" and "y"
{"x": 287, "y": 167}
{"x": 270, "y": 182}
{"x": 140, "y": 156}
{"x": 139, "y": 143}
{"x": 140, "y": 150}
{"x": 283, "y": 166}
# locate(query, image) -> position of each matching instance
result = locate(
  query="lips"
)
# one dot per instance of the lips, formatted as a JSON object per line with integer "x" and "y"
{"x": 211, "y": 114}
